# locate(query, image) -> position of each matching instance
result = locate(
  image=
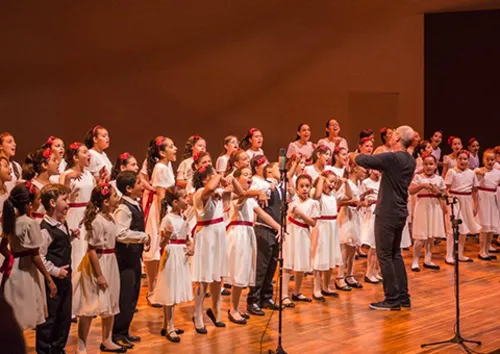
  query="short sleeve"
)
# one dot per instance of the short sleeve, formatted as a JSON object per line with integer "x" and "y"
{"x": 165, "y": 222}
{"x": 446, "y": 159}
{"x": 31, "y": 234}
{"x": 252, "y": 203}
{"x": 475, "y": 181}
{"x": 221, "y": 164}
{"x": 343, "y": 143}
{"x": 417, "y": 180}
{"x": 184, "y": 170}
{"x": 441, "y": 185}
{"x": 96, "y": 236}
{"x": 448, "y": 179}
{"x": 291, "y": 150}
{"x": 162, "y": 177}
{"x": 314, "y": 210}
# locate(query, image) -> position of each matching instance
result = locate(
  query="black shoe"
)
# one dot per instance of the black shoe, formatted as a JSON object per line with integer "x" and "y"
{"x": 487, "y": 258}
{"x": 131, "y": 338}
{"x": 493, "y": 257}
{"x": 300, "y": 298}
{"x": 329, "y": 293}
{"x": 74, "y": 320}
{"x": 169, "y": 337}
{"x": 202, "y": 330}
{"x": 246, "y": 316}
{"x": 232, "y": 319}
{"x": 179, "y": 331}
{"x": 292, "y": 277}
{"x": 227, "y": 286}
{"x": 369, "y": 281}
{"x": 106, "y": 350}
{"x": 406, "y": 304}
{"x": 432, "y": 266}
{"x": 468, "y": 260}
{"x": 208, "y": 296}
{"x": 123, "y": 341}
{"x": 211, "y": 315}
{"x": 270, "y": 305}
{"x": 416, "y": 269}
{"x": 143, "y": 276}
{"x": 342, "y": 288}
{"x": 356, "y": 284}
{"x": 320, "y": 298}
{"x": 385, "y": 306}
{"x": 225, "y": 292}
{"x": 254, "y": 309}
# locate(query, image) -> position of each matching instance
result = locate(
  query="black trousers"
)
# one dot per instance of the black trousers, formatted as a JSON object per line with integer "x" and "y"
{"x": 267, "y": 261}
{"x": 52, "y": 335}
{"x": 129, "y": 264}
{"x": 388, "y": 233}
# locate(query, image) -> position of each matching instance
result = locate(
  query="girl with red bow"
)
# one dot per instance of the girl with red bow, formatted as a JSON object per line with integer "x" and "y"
{"x": 252, "y": 143}
{"x": 194, "y": 145}
{"x": 450, "y": 160}
{"x": 125, "y": 162}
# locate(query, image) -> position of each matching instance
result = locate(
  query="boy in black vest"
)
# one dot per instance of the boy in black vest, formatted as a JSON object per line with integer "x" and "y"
{"x": 129, "y": 218}
{"x": 52, "y": 335}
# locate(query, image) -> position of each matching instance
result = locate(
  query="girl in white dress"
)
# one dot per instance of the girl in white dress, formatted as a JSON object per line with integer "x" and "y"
{"x": 462, "y": 184}
{"x": 450, "y": 160}
{"x": 57, "y": 146}
{"x": 473, "y": 148}
{"x": 302, "y": 143}
{"x": 242, "y": 245}
{"x": 210, "y": 262}
{"x": 194, "y": 145}
{"x": 428, "y": 222}
{"x": 125, "y": 162}
{"x": 370, "y": 187}
{"x": 340, "y": 160}
{"x": 303, "y": 213}
{"x": 326, "y": 252}
{"x": 488, "y": 216}
{"x": 349, "y": 230}
{"x": 38, "y": 168}
{"x": 199, "y": 160}
{"x": 230, "y": 145}
{"x": 8, "y": 150}
{"x": 164, "y": 153}
{"x": 81, "y": 183}
{"x": 22, "y": 283}
{"x": 97, "y": 140}
{"x": 174, "y": 276}
{"x": 320, "y": 158}
{"x": 252, "y": 143}
{"x": 385, "y": 137}
{"x": 96, "y": 281}
{"x": 332, "y": 139}
{"x": 238, "y": 159}
{"x": 423, "y": 149}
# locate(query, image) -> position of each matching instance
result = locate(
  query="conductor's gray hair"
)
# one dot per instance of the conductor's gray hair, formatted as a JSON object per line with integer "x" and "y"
{"x": 406, "y": 134}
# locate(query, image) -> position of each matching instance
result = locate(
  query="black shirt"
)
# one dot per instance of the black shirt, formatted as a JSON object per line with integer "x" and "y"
{"x": 397, "y": 173}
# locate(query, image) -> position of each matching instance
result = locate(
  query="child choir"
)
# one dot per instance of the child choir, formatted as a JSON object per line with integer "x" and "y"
{"x": 77, "y": 230}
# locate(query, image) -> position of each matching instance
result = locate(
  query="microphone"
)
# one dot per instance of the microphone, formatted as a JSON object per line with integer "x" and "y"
{"x": 282, "y": 160}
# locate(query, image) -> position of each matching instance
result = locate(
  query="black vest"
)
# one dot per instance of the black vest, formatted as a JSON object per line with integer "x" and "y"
{"x": 137, "y": 223}
{"x": 273, "y": 207}
{"x": 59, "y": 251}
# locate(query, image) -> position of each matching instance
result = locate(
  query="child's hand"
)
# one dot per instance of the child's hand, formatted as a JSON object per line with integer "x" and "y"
{"x": 63, "y": 272}
{"x": 147, "y": 244}
{"x": 101, "y": 282}
{"x": 75, "y": 233}
{"x": 189, "y": 251}
{"x": 52, "y": 287}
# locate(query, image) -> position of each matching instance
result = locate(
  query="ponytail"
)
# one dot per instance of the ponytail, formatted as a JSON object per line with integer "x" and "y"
{"x": 155, "y": 146}
{"x": 33, "y": 163}
{"x": 99, "y": 194}
{"x": 91, "y": 134}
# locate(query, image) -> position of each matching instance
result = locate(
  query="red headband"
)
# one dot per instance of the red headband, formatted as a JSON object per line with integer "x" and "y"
{"x": 364, "y": 140}
{"x": 450, "y": 140}
{"x": 47, "y": 152}
{"x": 124, "y": 157}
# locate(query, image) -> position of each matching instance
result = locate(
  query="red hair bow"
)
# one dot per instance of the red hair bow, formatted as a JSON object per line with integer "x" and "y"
{"x": 30, "y": 186}
{"x": 471, "y": 140}
{"x": 75, "y": 146}
{"x": 124, "y": 156}
{"x": 47, "y": 152}
{"x": 196, "y": 156}
{"x": 383, "y": 130}
{"x": 159, "y": 141}
{"x": 196, "y": 137}
{"x": 364, "y": 140}
{"x": 50, "y": 140}
{"x": 251, "y": 131}
{"x": 261, "y": 161}
{"x": 323, "y": 148}
{"x": 450, "y": 140}
{"x": 105, "y": 190}
{"x": 337, "y": 149}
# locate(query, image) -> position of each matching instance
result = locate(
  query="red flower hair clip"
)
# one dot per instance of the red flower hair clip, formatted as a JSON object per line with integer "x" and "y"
{"x": 50, "y": 140}
{"x": 364, "y": 140}
{"x": 384, "y": 130}
{"x": 337, "y": 149}
{"x": 251, "y": 131}
{"x": 202, "y": 169}
{"x": 196, "y": 137}
{"x": 261, "y": 161}
{"x": 160, "y": 140}
{"x": 196, "y": 156}
{"x": 46, "y": 153}
{"x": 105, "y": 189}
{"x": 472, "y": 140}
{"x": 124, "y": 157}
{"x": 30, "y": 186}
{"x": 323, "y": 148}
{"x": 450, "y": 140}
{"x": 75, "y": 146}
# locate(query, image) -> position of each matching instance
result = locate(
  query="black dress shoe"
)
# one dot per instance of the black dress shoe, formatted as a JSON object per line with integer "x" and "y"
{"x": 415, "y": 269}
{"x": 342, "y": 288}
{"x": 211, "y": 315}
{"x": 118, "y": 350}
{"x": 493, "y": 257}
{"x": 74, "y": 320}
{"x": 329, "y": 294}
{"x": 432, "y": 266}
{"x": 132, "y": 338}
{"x": 227, "y": 286}
{"x": 487, "y": 258}
{"x": 179, "y": 331}
{"x": 254, "y": 309}
{"x": 369, "y": 281}
{"x": 406, "y": 304}
{"x": 319, "y": 298}
{"x": 175, "y": 339}
{"x": 300, "y": 298}
{"x": 123, "y": 341}
{"x": 468, "y": 260}
{"x": 270, "y": 305}
{"x": 494, "y": 251}
{"x": 232, "y": 319}
{"x": 225, "y": 292}
{"x": 202, "y": 330}
{"x": 385, "y": 306}
{"x": 246, "y": 316}
{"x": 356, "y": 284}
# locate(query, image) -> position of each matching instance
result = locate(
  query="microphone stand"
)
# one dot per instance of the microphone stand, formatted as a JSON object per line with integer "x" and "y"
{"x": 457, "y": 339}
{"x": 283, "y": 213}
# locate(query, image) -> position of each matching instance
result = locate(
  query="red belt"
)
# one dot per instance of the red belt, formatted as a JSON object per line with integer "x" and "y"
{"x": 484, "y": 189}
{"x": 37, "y": 215}
{"x": 104, "y": 250}
{"x": 206, "y": 223}
{"x": 240, "y": 223}
{"x": 147, "y": 208}
{"x": 428, "y": 196}
{"x": 177, "y": 242}
{"x": 328, "y": 217}
{"x": 8, "y": 263}
{"x": 298, "y": 223}
{"x": 461, "y": 193}
{"x": 78, "y": 205}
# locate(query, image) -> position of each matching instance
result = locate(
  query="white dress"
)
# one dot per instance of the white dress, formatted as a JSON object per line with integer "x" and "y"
{"x": 350, "y": 221}
{"x": 98, "y": 161}
{"x": 326, "y": 252}
{"x": 162, "y": 177}
{"x": 331, "y": 145}
{"x": 242, "y": 245}
{"x": 210, "y": 261}
{"x": 221, "y": 164}
{"x": 173, "y": 284}
{"x": 452, "y": 163}
{"x": 488, "y": 216}
{"x": 297, "y": 244}
{"x": 24, "y": 289}
{"x": 295, "y": 147}
{"x": 428, "y": 218}
{"x": 368, "y": 217}
{"x": 3, "y": 198}
{"x": 88, "y": 299}
{"x": 252, "y": 153}
{"x": 338, "y": 171}
{"x": 312, "y": 171}
{"x": 185, "y": 169}
{"x": 460, "y": 185}
{"x": 76, "y": 213}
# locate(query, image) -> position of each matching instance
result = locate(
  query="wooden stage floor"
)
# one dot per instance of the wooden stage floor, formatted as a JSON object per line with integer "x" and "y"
{"x": 344, "y": 325}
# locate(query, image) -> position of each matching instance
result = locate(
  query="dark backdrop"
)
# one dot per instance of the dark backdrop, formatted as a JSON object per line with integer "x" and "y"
{"x": 462, "y": 76}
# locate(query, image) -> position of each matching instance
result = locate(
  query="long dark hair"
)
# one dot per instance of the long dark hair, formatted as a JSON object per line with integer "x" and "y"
{"x": 91, "y": 134}
{"x": 297, "y": 137}
{"x": 200, "y": 175}
{"x": 235, "y": 156}
{"x": 245, "y": 143}
{"x": 20, "y": 197}
{"x": 190, "y": 143}
{"x": 71, "y": 152}
{"x": 171, "y": 194}
{"x": 33, "y": 163}
{"x": 99, "y": 194}
{"x": 121, "y": 161}
{"x": 156, "y": 145}
{"x": 383, "y": 135}
{"x": 417, "y": 151}
{"x": 365, "y": 133}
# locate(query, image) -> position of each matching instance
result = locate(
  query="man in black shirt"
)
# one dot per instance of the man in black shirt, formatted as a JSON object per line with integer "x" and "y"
{"x": 397, "y": 169}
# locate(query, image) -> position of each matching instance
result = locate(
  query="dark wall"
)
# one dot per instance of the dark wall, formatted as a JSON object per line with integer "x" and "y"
{"x": 462, "y": 75}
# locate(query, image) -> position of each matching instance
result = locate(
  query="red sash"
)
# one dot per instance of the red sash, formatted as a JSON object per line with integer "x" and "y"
{"x": 8, "y": 263}
{"x": 78, "y": 205}
{"x": 206, "y": 223}
{"x": 328, "y": 217}
{"x": 240, "y": 223}
{"x": 461, "y": 193}
{"x": 298, "y": 223}
{"x": 104, "y": 250}
{"x": 147, "y": 208}
{"x": 484, "y": 189}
